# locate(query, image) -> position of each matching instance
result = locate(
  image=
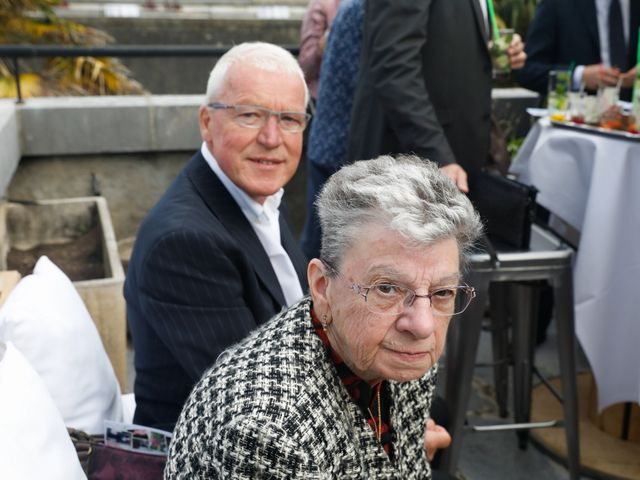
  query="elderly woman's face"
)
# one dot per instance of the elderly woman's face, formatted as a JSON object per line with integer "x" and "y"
{"x": 398, "y": 347}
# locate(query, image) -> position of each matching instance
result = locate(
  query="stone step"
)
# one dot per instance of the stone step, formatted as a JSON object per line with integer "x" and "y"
{"x": 184, "y": 10}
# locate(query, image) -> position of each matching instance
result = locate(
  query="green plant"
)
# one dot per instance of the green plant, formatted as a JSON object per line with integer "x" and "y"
{"x": 513, "y": 145}
{"x": 516, "y": 14}
{"x": 35, "y": 22}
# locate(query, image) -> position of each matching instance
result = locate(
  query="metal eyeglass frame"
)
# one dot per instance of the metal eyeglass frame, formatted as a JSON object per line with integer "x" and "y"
{"x": 268, "y": 113}
{"x": 409, "y": 300}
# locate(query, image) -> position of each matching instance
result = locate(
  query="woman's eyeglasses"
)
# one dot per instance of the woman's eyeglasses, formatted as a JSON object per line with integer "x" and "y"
{"x": 390, "y": 299}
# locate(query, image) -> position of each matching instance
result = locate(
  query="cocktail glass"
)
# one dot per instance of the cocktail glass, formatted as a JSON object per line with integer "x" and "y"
{"x": 499, "y": 56}
{"x": 558, "y": 92}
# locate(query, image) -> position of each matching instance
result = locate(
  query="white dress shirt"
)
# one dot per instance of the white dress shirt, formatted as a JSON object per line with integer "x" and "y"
{"x": 265, "y": 220}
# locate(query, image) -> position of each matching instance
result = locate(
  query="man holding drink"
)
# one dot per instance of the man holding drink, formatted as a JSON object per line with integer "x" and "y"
{"x": 601, "y": 42}
{"x": 425, "y": 83}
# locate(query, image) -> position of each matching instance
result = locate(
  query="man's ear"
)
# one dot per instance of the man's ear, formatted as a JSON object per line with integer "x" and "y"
{"x": 204, "y": 119}
{"x": 318, "y": 285}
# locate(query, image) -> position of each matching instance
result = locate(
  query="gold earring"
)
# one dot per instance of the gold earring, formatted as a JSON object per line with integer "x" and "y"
{"x": 324, "y": 322}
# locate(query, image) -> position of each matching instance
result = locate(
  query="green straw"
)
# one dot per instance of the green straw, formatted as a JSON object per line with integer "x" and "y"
{"x": 494, "y": 24}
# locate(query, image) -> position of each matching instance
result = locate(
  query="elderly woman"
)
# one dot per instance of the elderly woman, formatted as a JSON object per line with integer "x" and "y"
{"x": 340, "y": 385}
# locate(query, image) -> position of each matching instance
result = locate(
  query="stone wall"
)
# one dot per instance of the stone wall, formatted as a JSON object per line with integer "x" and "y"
{"x": 128, "y": 149}
{"x": 189, "y": 26}
{"x": 9, "y": 145}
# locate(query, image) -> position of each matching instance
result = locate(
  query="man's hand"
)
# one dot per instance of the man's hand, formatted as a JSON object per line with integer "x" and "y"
{"x": 516, "y": 53}
{"x": 435, "y": 437}
{"x": 594, "y": 76}
{"x": 456, "y": 173}
{"x": 628, "y": 78}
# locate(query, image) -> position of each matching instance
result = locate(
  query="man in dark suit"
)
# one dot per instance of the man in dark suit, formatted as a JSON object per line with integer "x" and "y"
{"x": 425, "y": 83}
{"x": 566, "y": 32}
{"x": 215, "y": 257}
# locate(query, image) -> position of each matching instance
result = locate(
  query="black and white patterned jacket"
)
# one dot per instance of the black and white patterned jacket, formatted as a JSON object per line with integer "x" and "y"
{"x": 274, "y": 407}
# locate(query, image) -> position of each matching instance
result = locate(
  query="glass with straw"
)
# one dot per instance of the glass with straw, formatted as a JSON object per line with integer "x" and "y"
{"x": 501, "y": 39}
{"x": 558, "y": 93}
{"x": 608, "y": 105}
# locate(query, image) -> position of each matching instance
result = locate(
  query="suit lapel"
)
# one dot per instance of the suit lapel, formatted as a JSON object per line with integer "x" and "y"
{"x": 477, "y": 13}
{"x": 224, "y": 207}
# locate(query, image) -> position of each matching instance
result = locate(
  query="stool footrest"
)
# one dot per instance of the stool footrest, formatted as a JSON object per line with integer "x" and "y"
{"x": 514, "y": 426}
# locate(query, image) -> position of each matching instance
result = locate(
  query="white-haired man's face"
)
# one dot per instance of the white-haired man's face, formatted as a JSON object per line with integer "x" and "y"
{"x": 258, "y": 160}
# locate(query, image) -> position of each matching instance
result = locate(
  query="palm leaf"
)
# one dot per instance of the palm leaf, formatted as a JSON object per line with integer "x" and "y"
{"x": 59, "y": 76}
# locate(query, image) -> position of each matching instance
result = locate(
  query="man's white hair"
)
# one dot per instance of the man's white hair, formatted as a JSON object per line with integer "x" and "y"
{"x": 264, "y": 56}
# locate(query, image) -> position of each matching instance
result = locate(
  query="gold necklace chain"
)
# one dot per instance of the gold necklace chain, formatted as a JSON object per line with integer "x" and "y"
{"x": 377, "y": 425}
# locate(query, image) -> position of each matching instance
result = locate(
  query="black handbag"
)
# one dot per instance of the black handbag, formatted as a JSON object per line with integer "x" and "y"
{"x": 507, "y": 208}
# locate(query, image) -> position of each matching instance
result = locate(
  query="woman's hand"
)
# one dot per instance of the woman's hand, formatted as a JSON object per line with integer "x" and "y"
{"x": 435, "y": 437}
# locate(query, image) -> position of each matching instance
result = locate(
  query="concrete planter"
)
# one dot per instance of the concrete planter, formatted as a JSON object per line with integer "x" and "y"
{"x": 77, "y": 235}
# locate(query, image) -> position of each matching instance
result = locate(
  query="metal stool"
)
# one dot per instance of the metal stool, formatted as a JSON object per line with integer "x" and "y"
{"x": 547, "y": 259}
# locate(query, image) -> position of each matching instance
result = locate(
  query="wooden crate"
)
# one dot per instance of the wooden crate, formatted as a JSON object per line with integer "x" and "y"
{"x": 63, "y": 227}
{"x": 8, "y": 280}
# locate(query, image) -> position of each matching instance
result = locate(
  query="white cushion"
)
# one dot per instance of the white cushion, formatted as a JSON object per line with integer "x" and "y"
{"x": 47, "y": 321}
{"x": 34, "y": 442}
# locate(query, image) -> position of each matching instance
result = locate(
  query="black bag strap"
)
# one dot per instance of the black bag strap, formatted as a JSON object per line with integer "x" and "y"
{"x": 493, "y": 255}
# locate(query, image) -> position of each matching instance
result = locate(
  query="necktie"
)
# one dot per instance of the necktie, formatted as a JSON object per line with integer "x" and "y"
{"x": 617, "y": 45}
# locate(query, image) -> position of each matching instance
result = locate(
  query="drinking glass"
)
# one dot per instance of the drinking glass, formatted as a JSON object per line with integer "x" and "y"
{"x": 558, "y": 92}
{"x": 499, "y": 56}
{"x": 608, "y": 97}
{"x": 591, "y": 110}
{"x": 576, "y": 107}
{"x": 635, "y": 108}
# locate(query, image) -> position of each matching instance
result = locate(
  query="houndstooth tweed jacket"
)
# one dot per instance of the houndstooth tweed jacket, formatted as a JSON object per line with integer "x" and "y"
{"x": 274, "y": 407}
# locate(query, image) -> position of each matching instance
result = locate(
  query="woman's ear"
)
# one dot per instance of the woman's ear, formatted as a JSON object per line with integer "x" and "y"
{"x": 317, "y": 284}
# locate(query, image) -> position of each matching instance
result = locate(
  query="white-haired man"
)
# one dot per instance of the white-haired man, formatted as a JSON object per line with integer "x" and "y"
{"x": 215, "y": 258}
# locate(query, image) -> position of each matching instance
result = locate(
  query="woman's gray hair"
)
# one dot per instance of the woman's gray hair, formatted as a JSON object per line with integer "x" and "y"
{"x": 264, "y": 56}
{"x": 406, "y": 194}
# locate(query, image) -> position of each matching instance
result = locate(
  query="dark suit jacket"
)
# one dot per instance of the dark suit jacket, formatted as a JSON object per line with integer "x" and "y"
{"x": 198, "y": 281}
{"x": 424, "y": 85}
{"x": 566, "y": 31}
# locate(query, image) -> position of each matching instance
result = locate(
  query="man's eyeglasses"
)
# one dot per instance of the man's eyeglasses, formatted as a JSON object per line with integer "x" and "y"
{"x": 390, "y": 299}
{"x": 253, "y": 116}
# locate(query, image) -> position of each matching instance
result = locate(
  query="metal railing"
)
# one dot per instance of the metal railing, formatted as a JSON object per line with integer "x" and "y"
{"x": 16, "y": 52}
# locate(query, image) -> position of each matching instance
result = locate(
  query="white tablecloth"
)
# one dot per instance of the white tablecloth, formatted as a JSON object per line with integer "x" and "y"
{"x": 593, "y": 183}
